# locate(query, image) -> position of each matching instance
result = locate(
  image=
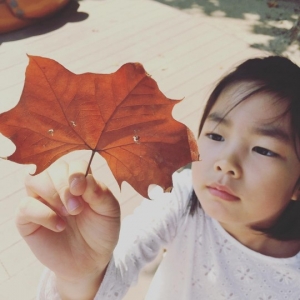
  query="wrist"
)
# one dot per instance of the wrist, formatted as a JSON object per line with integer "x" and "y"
{"x": 84, "y": 288}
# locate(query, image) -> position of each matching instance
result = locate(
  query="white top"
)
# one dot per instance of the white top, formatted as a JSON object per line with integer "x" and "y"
{"x": 202, "y": 260}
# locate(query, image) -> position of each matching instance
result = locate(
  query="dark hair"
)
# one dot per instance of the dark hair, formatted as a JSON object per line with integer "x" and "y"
{"x": 280, "y": 77}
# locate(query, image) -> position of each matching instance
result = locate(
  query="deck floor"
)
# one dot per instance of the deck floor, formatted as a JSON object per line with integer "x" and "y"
{"x": 184, "y": 54}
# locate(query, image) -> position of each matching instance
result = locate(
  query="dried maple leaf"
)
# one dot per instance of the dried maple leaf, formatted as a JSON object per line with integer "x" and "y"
{"x": 272, "y": 3}
{"x": 123, "y": 116}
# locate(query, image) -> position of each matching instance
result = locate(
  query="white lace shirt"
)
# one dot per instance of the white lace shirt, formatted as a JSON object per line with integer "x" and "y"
{"x": 202, "y": 260}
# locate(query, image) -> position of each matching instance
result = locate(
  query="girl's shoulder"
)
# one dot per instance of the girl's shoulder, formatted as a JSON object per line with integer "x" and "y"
{"x": 164, "y": 206}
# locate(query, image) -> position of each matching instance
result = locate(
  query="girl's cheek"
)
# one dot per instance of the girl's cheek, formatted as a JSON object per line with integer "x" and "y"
{"x": 207, "y": 151}
{"x": 203, "y": 145}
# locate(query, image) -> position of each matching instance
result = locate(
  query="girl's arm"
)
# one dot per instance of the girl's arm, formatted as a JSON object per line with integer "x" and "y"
{"x": 151, "y": 228}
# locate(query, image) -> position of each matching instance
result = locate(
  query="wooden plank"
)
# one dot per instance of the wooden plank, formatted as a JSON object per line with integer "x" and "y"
{"x": 23, "y": 285}
{"x": 3, "y": 274}
{"x": 9, "y": 235}
{"x": 13, "y": 262}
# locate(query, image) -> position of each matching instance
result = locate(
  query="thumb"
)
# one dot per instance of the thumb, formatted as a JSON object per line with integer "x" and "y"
{"x": 100, "y": 198}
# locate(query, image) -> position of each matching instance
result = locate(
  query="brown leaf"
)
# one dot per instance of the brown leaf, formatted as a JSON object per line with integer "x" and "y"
{"x": 272, "y": 3}
{"x": 123, "y": 116}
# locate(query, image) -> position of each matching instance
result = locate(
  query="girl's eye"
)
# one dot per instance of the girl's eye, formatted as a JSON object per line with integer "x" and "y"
{"x": 264, "y": 151}
{"x": 215, "y": 137}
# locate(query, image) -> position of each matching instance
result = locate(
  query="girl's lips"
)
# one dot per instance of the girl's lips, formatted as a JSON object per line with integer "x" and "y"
{"x": 221, "y": 193}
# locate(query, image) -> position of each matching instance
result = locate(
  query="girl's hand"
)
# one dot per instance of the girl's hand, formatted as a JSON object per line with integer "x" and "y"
{"x": 71, "y": 223}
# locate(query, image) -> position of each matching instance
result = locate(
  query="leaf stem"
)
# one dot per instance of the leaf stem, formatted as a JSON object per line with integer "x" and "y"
{"x": 89, "y": 165}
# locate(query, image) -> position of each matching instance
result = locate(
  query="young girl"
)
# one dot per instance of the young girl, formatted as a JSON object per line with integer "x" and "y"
{"x": 230, "y": 227}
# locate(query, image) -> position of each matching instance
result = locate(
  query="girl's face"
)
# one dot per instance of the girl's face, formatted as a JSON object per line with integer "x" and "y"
{"x": 249, "y": 168}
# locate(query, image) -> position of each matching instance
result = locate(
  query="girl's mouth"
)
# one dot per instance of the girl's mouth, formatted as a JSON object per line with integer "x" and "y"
{"x": 222, "y": 192}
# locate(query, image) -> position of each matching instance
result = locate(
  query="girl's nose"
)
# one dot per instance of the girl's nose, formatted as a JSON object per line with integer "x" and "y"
{"x": 228, "y": 167}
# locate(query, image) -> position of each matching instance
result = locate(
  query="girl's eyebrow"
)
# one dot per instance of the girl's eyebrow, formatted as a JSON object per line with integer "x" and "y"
{"x": 265, "y": 130}
{"x": 216, "y": 117}
{"x": 274, "y": 132}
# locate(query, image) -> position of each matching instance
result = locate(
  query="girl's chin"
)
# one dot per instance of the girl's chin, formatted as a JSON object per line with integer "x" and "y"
{"x": 218, "y": 210}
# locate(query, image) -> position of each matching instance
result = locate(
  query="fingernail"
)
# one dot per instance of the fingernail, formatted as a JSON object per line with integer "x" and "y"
{"x": 75, "y": 181}
{"x": 60, "y": 225}
{"x": 72, "y": 204}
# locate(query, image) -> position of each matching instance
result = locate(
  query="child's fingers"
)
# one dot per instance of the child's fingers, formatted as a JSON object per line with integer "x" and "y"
{"x": 64, "y": 183}
{"x": 100, "y": 198}
{"x": 60, "y": 186}
{"x": 33, "y": 214}
{"x": 41, "y": 187}
{"x": 77, "y": 180}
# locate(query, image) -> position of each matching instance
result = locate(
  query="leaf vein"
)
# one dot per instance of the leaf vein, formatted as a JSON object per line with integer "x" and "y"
{"x": 58, "y": 102}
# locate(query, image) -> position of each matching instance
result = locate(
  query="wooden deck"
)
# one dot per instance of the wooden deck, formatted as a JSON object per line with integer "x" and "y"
{"x": 183, "y": 53}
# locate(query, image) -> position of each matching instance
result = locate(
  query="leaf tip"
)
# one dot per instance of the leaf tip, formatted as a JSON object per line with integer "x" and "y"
{"x": 33, "y": 170}
{"x": 168, "y": 189}
{"x": 176, "y": 101}
{"x": 29, "y": 56}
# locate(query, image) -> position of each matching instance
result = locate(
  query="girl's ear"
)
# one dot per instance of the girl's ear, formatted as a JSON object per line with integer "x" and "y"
{"x": 296, "y": 195}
